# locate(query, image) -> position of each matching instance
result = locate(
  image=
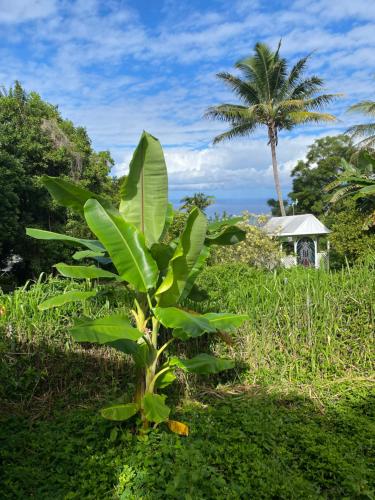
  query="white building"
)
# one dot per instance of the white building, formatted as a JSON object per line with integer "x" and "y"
{"x": 300, "y": 239}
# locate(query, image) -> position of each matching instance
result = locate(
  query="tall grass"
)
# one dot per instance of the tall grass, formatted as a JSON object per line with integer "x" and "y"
{"x": 23, "y": 322}
{"x": 303, "y": 323}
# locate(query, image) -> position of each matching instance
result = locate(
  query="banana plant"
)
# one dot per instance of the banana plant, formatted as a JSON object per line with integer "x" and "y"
{"x": 130, "y": 246}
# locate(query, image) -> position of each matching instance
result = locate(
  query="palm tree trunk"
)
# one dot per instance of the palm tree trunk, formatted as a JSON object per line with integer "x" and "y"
{"x": 275, "y": 168}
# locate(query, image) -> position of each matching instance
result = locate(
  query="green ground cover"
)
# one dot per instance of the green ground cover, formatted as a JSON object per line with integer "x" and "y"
{"x": 294, "y": 419}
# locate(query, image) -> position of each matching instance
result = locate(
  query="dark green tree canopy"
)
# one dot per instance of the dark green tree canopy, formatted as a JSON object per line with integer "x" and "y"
{"x": 35, "y": 141}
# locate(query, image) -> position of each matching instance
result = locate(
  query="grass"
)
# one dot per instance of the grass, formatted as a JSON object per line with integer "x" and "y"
{"x": 247, "y": 445}
{"x": 293, "y": 420}
{"x": 304, "y": 324}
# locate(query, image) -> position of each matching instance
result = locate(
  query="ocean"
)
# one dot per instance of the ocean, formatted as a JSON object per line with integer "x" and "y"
{"x": 233, "y": 206}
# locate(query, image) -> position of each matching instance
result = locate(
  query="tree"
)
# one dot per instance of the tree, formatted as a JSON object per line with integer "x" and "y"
{"x": 358, "y": 183}
{"x": 273, "y": 98}
{"x": 310, "y": 176}
{"x": 275, "y": 207}
{"x": 159, "y": 277}
{"x": 34, "y": 141}
{"x": 365, "y": 132}
{"x": 199, "y": 200}
{"x": 349, "y": 240}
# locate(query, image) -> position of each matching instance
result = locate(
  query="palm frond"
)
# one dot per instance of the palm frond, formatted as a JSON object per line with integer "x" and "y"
{"x": 244, "y": 90}
{"x": 320, "y": 101}
{"x": 307, "y": 88}
{"x": 297, "y": 70}
{"x": 299, "y": 117}
{"x": 365, "y": 192}
{"x": 357, "y": 131}
{"x": 364, "y": 107}
{"x": 229, "y": 113}
{"x": 341, "y": 193}
{"x": 239, "y": 130}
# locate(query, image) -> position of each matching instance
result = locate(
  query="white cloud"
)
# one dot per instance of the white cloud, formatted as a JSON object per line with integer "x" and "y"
{"x": 111, "y": 72}
{"x": 243, "y": 165}
{"x": 18, "y": 11}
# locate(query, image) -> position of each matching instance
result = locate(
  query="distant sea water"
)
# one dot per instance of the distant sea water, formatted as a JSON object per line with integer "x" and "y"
{"x": 233, "y": 206}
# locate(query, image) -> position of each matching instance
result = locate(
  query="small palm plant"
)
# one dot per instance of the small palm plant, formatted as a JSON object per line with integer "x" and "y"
{"x": 272, "y": 97}
{"x": 131, "y": 250}
{"x": 365, "y": 132}
{"x": 356, "y": 182}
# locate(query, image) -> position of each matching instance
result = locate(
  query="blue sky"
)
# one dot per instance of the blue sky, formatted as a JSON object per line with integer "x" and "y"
{"x": 118, "y": 67}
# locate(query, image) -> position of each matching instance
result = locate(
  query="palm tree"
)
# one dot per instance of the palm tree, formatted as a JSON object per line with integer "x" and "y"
{"x": 200, "y": 200}
{"x": 367, "y": 130}
{"x": 271, "y": 97}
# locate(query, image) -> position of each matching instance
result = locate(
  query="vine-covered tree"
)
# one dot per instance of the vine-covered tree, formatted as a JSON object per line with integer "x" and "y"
{"x": 35, "y": 140}
{"x": 272, "y": 97}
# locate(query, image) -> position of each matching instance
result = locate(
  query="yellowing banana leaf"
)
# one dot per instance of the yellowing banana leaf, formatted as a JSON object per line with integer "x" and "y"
{"x": 178, "y": 427}
{"x": 125, "y": 245}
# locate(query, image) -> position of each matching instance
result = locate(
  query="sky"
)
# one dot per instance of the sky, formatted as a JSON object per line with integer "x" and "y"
{"x": 119, "y": 67}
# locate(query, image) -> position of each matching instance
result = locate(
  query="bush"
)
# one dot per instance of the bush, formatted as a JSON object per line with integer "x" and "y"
{"x": 257, "y": 250}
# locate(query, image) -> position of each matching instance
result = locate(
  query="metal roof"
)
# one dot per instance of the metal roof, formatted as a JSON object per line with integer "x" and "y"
{"x": 295, "y": 225}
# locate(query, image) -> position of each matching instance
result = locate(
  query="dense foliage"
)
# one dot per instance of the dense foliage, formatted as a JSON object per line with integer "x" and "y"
{"x": 256, "y": 250}
{"x": 35, "y": 140}
{"x": 310, "y": 176}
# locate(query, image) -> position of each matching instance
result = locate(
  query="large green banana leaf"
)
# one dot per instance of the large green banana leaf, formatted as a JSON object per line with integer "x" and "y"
{"x": 65, "y": 298}
{"x": 217, "y": 225}
{"x": 144, "y": 194}
{"x": 228, "y": 235}
{"x": 71, "y": 195}
{"x": 105, "y": 330}
{"x": 125, "y": 245}
{"x": 87, "y": 254}
{"x": 195, "y": 272}
{"x": 188, "y": 250}
{"x": 84, "y": 272}
{"x": 140, "y": 351}
{"x": 119, "y": 413}
{"x": 226, "y": 321}
{"x": 192, "y": 325}
{"x": 202, "y": 364}
{"x": 40, "y": 234}
{"x": 155, "y": 408}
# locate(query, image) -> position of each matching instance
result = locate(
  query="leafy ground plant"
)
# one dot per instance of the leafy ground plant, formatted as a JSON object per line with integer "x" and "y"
{"x": 130, "y": 250}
